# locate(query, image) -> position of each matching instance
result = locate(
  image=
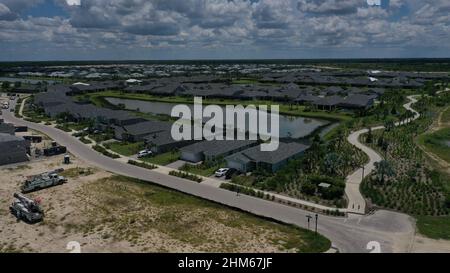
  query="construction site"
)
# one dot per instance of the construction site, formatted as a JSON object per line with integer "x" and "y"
{"x": 108, "y": 213}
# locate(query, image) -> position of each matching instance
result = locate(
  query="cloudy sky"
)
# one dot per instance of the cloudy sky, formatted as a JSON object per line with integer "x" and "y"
{"x": 222, "y": 29}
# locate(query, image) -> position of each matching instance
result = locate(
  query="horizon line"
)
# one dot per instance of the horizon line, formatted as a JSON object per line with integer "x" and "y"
{"x": 227, "y": 59}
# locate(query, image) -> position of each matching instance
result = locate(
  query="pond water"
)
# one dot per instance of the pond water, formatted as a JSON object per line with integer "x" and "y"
{"x": 290, "y": 126}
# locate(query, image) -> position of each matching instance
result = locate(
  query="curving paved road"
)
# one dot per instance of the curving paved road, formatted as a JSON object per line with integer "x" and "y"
{"x": 356, "y": 202}
{"x": 394, "y": 231}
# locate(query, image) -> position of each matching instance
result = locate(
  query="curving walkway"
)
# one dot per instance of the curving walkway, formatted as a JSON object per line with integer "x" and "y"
{"x": 356, "y": 202}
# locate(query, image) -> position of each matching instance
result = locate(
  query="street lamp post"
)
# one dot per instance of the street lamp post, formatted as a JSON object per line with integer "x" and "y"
{"x": 317, "y": 217}
{"x": 309, "y": 219}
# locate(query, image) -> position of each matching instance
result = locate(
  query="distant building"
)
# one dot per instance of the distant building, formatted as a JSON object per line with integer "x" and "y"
{"x": 328, "y": 103}
{"x": 27, "y": 89}
{"x": 357, "y": 101}
{"x": 214, "y": 150}
{"x": 13, "y": 149}
{"x": 161, "y": 142}
{"x": 7, "y": 128}
{"x": 139, "y": 131}
{"x": 133, "y": 82}
{"x": 253, "y": 158}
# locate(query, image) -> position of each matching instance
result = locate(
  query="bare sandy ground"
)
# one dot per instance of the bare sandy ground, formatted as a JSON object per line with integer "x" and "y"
{"x": 104, "y": 214}
{"x": 427, "y": 245}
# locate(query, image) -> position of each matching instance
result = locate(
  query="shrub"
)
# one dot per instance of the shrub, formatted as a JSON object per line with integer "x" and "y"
{"x": 103, "y": 151}
{"x": 85, "y": 140}
{"x": 185, "y": 175}
{"x": 240, "y": 189}
{"x": 142, "y": 164}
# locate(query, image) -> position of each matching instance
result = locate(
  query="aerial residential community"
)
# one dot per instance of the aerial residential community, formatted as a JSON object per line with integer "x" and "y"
{"x": 184, "y": 138}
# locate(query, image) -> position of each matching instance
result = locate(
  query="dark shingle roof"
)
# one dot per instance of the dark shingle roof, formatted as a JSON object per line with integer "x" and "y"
{"x": 217, "y": 147}
{"x": 284, "y": 151}
{"x": 147, "y": 127}
{"x": 329, "y": 101}
{"x": 357, "y": 100}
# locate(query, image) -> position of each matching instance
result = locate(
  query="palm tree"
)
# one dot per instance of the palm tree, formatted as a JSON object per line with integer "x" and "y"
{"x": 384, "y": 169}
{"x": 389, "y": 125}
{"x": 339, "y": 138}
{"x": 332, "y": 163}
{"x": 369, "y": 137}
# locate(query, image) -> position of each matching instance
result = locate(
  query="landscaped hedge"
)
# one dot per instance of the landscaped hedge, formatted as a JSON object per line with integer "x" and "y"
{"x": 244, "y": 190}
{"x": 103, "y": 151}
{"x": 63, "y": 128}
{"x": 142, "y": 164}
{"x": 185, "y": 175}
{"x": 85, "y": 140}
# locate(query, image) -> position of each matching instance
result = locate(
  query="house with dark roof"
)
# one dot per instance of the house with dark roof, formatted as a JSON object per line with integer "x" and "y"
{"x": 357, "y": 101}
{"x": 328, "y": 103}
{"x": 334, "y": 90}
{"x": 161, "y": 142}
{"x": 147, "y": 88}
{"x": 306, "y": 99}
{"x": 253, "y": 158}
{"x": 13, "y": 149}
{"x": 28, "y": 89}
{"x": 7, "y": 128}
{"x": 139, "y": 131}
{"x": 253, "y": 95}
{"x": 214, "y": 150}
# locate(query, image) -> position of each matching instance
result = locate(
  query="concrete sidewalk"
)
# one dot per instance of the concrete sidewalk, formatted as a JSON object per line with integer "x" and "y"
{"x": 356, "y": 202}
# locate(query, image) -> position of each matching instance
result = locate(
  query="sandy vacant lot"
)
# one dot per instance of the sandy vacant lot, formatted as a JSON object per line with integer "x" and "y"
{"x": 107, "y": 213}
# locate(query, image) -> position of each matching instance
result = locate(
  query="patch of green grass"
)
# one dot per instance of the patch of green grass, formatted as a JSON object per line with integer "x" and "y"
{"x": 435, "y": 227}
{"x": 101, "y": 137}
{"x": 186, "y": 175}
{"x": 77, "y": 126}
{"x": 99, "y": 100}
{"x": 105, "y": 152}
{"x": 245, "y": 81}
{"x": 202, "y": 169}
{"x": 142, "y": 164}
{"x": 125, "y": 148}
{"x": 76, "y": 172}
{"x": 163, "y": 159}
{"x": 438, "y": 143}
{"x": 446, "y": 116}
{"x": 85, "y": 140}
{"x": 64, "y": 128}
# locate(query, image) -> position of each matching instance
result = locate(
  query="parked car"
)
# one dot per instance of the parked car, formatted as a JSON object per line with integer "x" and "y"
{"x": 221, "y": 172}
{"x": 144, "y": 153}
{"x": 230, "y": 173}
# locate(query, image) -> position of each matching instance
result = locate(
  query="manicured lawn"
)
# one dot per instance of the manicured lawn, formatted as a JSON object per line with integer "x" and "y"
{"x": 434, "y": 227}
{"x": 125, "y": 148}
{"x": 202, "y": 169}
{"x": 163, "y": 159}
{"x": 438, "y": 143}
{"x": 77, "y": 126}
